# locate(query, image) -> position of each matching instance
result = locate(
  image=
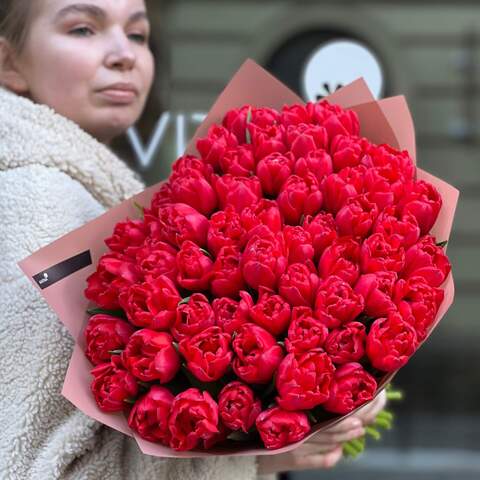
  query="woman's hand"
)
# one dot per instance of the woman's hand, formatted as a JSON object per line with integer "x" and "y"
{"x": 323, "y": 450}
{"x": 368, "y": 412}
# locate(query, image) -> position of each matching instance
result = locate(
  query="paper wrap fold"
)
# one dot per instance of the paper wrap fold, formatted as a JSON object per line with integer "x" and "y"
{"x": 384, "y": 121}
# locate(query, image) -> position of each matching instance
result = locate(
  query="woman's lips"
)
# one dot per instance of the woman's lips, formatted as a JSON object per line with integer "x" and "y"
{"x": 119, "y": 95}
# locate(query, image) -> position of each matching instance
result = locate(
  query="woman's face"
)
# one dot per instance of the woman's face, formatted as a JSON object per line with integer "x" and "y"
{"x": 89, "y": 60}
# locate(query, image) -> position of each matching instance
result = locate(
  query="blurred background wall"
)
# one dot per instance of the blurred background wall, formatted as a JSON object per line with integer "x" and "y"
{"x": 428, "y": 51}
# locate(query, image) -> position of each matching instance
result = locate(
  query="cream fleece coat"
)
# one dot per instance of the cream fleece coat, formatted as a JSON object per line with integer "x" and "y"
{"x": 54, "y": 177}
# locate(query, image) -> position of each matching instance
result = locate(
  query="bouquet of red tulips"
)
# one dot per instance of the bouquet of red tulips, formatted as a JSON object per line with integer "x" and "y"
{"x": 293, "y": 261}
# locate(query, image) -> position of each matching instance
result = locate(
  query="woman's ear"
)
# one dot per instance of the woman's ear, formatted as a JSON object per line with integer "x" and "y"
{"x": 10, "y": 75}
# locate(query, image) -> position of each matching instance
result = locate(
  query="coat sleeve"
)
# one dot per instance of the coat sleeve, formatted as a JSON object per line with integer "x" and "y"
{"x": 43, "y": 435}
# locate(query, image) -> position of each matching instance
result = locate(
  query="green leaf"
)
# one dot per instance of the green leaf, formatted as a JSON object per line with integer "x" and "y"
{"x": 213, "y": 388}
{"x": 442, "y": 244}
{"x": 373, "y": 432}
{"x": 311, "y": 417}
{"x": 140, "y": 209}
{"x": 115, "y": 352}
{"x": 206, "y": 252}
{"x": 354, "y": 447}
{"x": 184, "y": 300}
{"x": 358, "y": 443}
{"x": 383, "y": 423}
{"x": 269, "y": 390}
{"x": 131, "y": 401}
{"x": 248, "y": 137}
{"x": 383, "y": 420}
{"x": 386, "y": 415}
{"x": 365, "y": 319}
{"x": 349, "y": 450}
{"x": 113, "y": 313}
{"x": 239, "y": 436}
{"x": 394, "y": 395}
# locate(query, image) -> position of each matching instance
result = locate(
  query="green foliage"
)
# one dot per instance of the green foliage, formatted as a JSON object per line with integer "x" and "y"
{"x": 384, "y": 421}
{"x": 140, "y": 209}
{"x": 247, "y": 131}
{"x": 113, "y": 313}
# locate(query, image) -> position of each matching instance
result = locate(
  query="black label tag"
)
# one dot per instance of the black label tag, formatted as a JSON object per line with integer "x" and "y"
{"x": 63, "y": 269}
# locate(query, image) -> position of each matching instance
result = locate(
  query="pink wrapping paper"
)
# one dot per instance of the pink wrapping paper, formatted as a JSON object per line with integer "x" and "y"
{"x": 385, "y": 121}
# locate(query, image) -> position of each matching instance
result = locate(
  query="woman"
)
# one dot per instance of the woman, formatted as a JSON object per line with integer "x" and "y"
{"x": 75, "y": 76}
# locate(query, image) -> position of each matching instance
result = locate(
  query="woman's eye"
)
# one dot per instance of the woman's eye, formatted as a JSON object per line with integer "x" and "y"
{"x": 138, "y": 37}
{"x": 81, "y": 31}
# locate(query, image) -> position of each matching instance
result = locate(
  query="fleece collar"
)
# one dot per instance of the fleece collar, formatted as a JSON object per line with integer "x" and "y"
{"x": 35, "y": 134}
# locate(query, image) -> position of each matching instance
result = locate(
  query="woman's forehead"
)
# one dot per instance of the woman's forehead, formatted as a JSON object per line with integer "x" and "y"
{"x": 92, "y": 7}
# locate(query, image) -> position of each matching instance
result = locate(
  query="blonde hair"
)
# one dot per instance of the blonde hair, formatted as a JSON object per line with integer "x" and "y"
{"x": 15, "y": 18}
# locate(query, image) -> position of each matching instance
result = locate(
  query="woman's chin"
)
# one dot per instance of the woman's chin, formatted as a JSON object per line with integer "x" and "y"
{"x": 108, "y": 130}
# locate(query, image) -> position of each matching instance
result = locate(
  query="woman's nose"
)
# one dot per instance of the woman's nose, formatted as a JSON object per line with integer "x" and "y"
{"x": 121, "y": 55}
